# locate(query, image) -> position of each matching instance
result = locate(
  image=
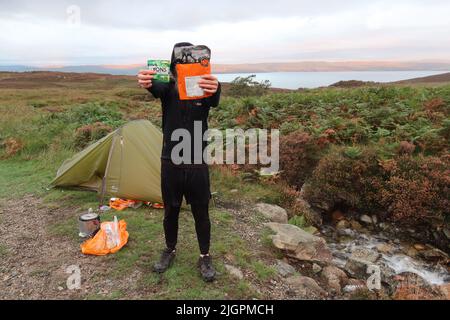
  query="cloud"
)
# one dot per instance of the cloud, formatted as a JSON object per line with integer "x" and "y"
{"x": 38, "y": 32}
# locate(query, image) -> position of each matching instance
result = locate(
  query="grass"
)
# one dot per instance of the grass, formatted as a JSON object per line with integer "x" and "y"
{"x": 182, "y": 281}
{"x": 18, "y": 178}
{"x": 3, "y": 250}
{"x": 42, "y": 116}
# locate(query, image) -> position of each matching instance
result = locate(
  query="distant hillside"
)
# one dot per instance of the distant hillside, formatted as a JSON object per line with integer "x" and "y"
{"x": 311, "y": 66}
{"x": 305, "y": 66}
{"x": 440, "y": 78}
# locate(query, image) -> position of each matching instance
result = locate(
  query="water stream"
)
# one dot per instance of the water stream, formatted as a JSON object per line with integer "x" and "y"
{"x": 396, "y": 259}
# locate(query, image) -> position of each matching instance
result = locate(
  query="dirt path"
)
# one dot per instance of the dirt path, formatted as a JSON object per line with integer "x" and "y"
{"x": 33, "y": 262}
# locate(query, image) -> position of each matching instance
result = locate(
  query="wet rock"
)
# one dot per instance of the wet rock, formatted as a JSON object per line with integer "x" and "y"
{"x": 385, "y": 248}
{"x": 434, "y": 255}
{"x": 284, "y": 269}
{"x": 388, "y": 276}
{"x": 272, "y": 212}
{"x": 366, "y": 219}
{"x": 366, "y": 255}
{"x": 299, "y": 244}
{"x": 306, "y": 287}
{"x": 335, "y": 278}
{"x": 235, "y": 272}
{"x": 359, "y": 261}
{"x": 349, "y": 233}
{"x": 411, "y": 251}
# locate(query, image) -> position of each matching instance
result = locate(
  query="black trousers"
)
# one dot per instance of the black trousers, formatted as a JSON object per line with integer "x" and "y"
{"x": 192, "y": 183}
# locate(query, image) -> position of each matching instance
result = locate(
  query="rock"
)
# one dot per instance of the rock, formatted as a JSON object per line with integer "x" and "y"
{"x": 284, "y": 269}
{"x": 60, "y": 288}
{"x": 346, "y": 233}
{"x": 343, "y": 224}
{"x": 359, "y": 261}
{"x": 411, "y": 251}
{"x": 385, "y": 248}
{"x": 305, "y": 287}
{"x": 366, "y": 219}
{"x": 434, "y": 255}
{"x": 356, "y": 225}
{"x": 374, "y": 219}
{"x": 419, "y": 247}
{"x": 272, "y": 212}
{"x": 335, "y": 278}
{"x": 388, "y": 276}
{"x": 299, "y": 244}
{"x": 365, "y": 255}
{"x": 316, "y": 268}
{"x": 235, "y": 272}
{"x": 234, "y": 191}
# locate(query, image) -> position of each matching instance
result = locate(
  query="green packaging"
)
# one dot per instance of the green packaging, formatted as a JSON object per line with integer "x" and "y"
{"x": 162, "y": 69}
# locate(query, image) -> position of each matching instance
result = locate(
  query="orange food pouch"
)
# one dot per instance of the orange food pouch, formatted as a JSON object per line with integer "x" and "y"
{"x": 188, "y": 76}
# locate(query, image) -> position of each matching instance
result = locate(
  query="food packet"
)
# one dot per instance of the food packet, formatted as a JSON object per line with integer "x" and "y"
{"x": 192, "y": 62}
{"x": 162, "y": 69}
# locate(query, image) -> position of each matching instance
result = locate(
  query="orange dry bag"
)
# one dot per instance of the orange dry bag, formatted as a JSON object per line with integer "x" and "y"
{"x": 111, "y": 237}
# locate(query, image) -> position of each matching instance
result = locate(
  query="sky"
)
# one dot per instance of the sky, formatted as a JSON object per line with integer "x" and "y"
{"x": 83, "y": 32}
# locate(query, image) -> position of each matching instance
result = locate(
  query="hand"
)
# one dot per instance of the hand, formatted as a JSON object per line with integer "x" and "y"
{"x": 145, "y": 78}
{"x": 209, "y": 83}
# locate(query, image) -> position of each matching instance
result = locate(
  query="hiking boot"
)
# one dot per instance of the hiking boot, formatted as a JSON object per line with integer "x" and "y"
{"x": 206, "y": 268}
{"x": 165, "y": 261}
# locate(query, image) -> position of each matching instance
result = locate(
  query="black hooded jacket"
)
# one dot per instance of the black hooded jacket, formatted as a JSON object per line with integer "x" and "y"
{"x": 181, "y": 114}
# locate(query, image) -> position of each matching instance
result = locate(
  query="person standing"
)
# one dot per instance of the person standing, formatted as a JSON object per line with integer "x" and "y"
{"x": 188, "y": 180}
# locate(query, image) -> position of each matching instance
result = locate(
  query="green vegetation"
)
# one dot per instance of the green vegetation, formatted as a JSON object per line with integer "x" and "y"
{"x": 248, "y": 86}
{"x": 372, "y": 149}
{"x": 382, "y": 150}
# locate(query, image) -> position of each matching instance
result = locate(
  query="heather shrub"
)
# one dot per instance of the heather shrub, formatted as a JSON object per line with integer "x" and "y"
{"x": 10, "y": 147}
{"x": 417, "y": 189}
{"x": 299, "y": 154}
{"x": 348, "y": 177}
{"x": 90, "y": 133}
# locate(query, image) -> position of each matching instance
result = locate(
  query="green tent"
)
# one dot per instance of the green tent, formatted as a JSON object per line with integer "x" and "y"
{"x": 124, "y": 164}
